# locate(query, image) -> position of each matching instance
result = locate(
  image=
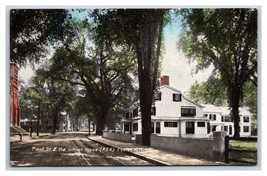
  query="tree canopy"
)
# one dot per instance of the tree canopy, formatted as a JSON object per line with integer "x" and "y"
{"x": 104, "y": 70}
{"x": 31, "y": 30}
{"x": 54, "y": 97}
{"x": 211, "y": 92}
{"x": 227, "y": 39}
{"x": 142, "y": 30}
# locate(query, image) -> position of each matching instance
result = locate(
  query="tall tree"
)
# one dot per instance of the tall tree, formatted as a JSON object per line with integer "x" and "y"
{"x": 226, "y": 38}
{"x": 141, "y": 29}
{"x": 33, "y": 29}
{"x": 54, "y": 94}
{"x": 28, "y": 99}
{"x": 103, "y": 69}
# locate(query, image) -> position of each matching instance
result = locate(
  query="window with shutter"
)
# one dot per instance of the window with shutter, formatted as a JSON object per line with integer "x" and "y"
{"x": 135, "y": 112}
{"x": 157, "y": 96}
{"x": 177, "y": 97}
{"x": 153, "y": 111}
{"x": 245, "y": 119}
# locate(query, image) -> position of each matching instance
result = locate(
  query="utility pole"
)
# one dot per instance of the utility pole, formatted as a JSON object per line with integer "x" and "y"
{"x": 31, "y": 128}
{"x": 38, "y": 117}
{"x": 89, "y": 124}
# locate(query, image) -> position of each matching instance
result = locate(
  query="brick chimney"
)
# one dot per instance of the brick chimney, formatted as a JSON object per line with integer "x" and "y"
{"x": 164, "y": 80}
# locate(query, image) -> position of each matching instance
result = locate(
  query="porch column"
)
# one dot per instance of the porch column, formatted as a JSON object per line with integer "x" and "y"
{"x": 180, "y": 127}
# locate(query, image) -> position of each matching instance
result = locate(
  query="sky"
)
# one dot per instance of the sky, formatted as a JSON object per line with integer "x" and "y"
{"x": 174, "y": 63}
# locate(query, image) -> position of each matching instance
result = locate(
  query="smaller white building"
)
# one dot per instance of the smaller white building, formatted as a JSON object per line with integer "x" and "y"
{"x": 221, "y": 120}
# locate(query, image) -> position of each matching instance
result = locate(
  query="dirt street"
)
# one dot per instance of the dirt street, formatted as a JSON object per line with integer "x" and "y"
{"x": 68, "y": 149}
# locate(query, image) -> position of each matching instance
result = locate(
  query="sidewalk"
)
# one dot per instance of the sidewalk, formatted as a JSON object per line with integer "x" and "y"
{"x": 154, "y": 155}
{"x": 27, "y": 138}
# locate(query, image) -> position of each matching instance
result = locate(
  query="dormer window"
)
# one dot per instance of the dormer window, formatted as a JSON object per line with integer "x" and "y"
{"x": 177, "y": 97}
{"x": 127, "y": 116}
{"x": 135, "y": 112}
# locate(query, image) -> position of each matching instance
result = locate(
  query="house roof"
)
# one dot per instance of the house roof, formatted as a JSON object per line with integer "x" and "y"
{"x": 176, "y": 90}
{"x": 242, "y": 111}
{"x": 224, "y": 110}
{"x": 211, "y": 108}
{"x": 245, "y": 111}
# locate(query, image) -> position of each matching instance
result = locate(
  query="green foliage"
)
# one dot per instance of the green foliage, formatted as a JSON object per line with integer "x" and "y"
{"x": 140, "y": 29}
{"x": 250, "y": 99}
{"x": 227, "y": 39}
{"x": 250, "y": 96}
{"x": 27, "y": 100}
{"x": 103, "y": 71}
{"x": 210, "y": 92}
{"x": 33, "y": 29}
{"x": 214, "y": 92}
{"x": 13, "y": 131}
{"x": 51, "y": 96}
{"x": 222, "y": 37}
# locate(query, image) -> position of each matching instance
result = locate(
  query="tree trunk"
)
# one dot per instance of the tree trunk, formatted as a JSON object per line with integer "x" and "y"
{"x": 89, "y": 125}
{"x": 235, "y": 113}
{"x": 99, "y": 126}
{"x": 144, "y": 57}
{"x": 101, "y": 121}
{"x": 55, "y": 122}
{"x": 234, "y": 99}
{"x": 145, "y": 104}
{"x": 146, "y": 122}
{"x": 236, "y": 117}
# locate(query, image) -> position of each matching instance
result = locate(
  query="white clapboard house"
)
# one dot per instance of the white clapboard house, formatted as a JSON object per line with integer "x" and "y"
{"x": 221, "y": 120}
{"x": 172, "y": 115}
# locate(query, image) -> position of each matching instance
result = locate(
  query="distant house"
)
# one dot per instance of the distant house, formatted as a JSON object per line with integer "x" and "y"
{"x": 28, "y": 124}
{"x": 172, "y": 115}
{"x": 221, "y": 120}
{"x": 46, "y": 124}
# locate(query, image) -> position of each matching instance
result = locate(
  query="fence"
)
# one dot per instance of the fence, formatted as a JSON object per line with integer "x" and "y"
{"x": 210, "y": 149}
{"x": 117, "y": 137}
{"x": 240, "y": 154}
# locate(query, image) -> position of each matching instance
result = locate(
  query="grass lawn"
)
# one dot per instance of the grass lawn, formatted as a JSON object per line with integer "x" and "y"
{"x": 245, "y": 145}
{"x": 243, "y": 156}
{"x": 13, "y": 131}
